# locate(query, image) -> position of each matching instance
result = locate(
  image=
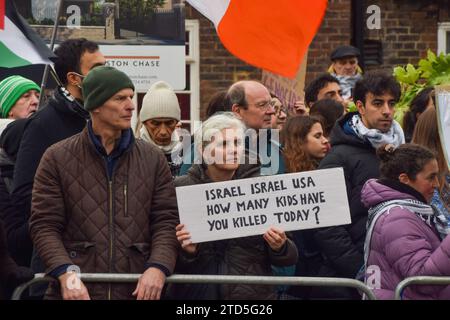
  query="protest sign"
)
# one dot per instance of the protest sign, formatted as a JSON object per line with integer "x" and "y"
{"x": 287, "y": 90}
{"x": 240, "y": 208}
{"x": 443, "y": 114}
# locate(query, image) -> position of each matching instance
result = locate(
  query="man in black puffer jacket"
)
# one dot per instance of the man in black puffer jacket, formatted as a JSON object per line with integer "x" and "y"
{"x": 9, "y": 145}
{"x": 11, "y": 275}
{"x": 338, "y": 251}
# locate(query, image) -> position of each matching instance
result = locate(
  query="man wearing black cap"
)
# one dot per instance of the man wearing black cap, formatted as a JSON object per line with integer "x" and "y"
{"x": 345, "y": 68}
{"x": 104, "y": 202}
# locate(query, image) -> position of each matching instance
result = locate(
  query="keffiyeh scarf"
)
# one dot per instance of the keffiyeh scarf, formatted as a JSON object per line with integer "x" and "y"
{"x": 425, "y": 212}
{"x": 377, "y": 138}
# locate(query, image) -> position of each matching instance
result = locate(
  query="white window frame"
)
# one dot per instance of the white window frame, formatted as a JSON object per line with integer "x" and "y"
{"x": 193, "y": 59}
{"x": 443, "y": 28}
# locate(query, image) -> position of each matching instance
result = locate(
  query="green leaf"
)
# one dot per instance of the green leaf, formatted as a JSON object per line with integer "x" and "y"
{"x": 352, "y": 107}
{"x": 431, "y": 56}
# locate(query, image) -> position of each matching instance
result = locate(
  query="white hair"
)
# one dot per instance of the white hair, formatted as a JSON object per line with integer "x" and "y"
{"x": 215, "y": 124}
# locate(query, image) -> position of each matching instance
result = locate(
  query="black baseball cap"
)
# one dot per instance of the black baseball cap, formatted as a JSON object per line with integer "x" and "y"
{"x": 345, "y": 51}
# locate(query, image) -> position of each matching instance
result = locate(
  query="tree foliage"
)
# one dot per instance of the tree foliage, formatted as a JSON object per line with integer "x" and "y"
{"x": 431, "y": 71}
{"x": 138, "y": 9}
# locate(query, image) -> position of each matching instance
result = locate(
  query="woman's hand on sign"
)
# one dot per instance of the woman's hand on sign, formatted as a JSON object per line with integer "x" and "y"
{"x": 184, "y": 238}
{"x": 275, "y": 238}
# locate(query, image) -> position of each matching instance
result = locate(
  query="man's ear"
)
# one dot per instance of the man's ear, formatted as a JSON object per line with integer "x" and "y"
{"x": 72, "y": 79}
{"x": 236, "y": 109}
{"x": 333, "y": 64}
{"x": 360, "y": 107}
{"x": 403, "y": 178}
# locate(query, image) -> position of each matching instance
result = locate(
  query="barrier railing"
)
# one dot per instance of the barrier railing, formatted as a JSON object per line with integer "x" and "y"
{"x": 424, "y": 280}
{"x": 219, "y": 279}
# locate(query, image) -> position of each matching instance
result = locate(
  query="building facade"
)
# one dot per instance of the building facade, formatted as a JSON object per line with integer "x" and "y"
{"x": 388, "y": 32}
{"x": 407, "y": 28}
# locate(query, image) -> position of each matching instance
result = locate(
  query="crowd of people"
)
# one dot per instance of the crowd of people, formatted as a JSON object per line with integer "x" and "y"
{"x": 83, "y": 191}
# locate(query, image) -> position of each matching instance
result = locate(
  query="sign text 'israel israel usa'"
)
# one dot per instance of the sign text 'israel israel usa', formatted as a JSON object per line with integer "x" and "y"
{"x": 240, "y": 208}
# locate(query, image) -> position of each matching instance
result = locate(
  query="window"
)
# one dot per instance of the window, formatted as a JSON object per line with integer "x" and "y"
{"x": 373, "y": 53}
{"x": 444, "y": 37}
{"x": 189, "y": 98}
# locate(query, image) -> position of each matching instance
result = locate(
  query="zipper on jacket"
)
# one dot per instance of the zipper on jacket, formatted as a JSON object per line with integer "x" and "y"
{"x": 125, "y": 195}
{"x": 111, "y": 233}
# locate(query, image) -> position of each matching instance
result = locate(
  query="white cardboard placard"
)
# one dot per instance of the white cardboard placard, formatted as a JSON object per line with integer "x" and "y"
{"x": 246, "y": 207}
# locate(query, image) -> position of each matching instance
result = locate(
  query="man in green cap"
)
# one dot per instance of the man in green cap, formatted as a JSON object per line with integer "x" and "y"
{"x": 104, "y": 202}
{"x": 19, "y": 97}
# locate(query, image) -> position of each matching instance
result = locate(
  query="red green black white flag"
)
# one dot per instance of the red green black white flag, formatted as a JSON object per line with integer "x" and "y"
{"x": 19, "y": 44}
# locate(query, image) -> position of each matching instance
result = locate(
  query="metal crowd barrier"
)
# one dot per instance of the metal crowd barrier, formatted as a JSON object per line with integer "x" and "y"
{"x": 219, "y": 279}
{"x": 419, "y": 281}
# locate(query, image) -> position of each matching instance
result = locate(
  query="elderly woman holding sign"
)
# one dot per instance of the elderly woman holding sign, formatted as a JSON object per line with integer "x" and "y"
{"x": 221, "y": 146}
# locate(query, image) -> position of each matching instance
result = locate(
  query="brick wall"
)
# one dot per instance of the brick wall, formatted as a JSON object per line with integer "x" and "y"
{"x": 334, "y": 31}
{"x": 218, "y": 68}
{"x": 408, "y": 29}
{"x": 91, "y": 33}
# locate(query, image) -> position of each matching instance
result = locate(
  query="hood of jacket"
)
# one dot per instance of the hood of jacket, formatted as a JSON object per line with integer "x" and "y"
{"x": 64, "y": 102}
{"x": 11, "y": 137}
{"x": 339, "y": 134}
{"x": 376, "y": 191}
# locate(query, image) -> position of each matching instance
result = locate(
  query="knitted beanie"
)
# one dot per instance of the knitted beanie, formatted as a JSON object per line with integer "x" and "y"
{"x": 11, "y": 89}
{"x": 160, "y": 101}
{"x": 102, "y": 83}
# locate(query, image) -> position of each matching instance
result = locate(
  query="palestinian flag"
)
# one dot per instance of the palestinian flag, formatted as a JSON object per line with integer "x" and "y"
{"x": 19, "y": 44}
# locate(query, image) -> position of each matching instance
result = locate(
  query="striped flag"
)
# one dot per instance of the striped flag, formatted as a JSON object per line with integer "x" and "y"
{"x": 2, "y": 14}
{"x": 19, "y": 44}
{"x": 272, "y": 34}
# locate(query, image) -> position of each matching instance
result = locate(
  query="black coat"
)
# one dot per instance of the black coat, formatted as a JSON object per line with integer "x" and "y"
{"x": 11, "y": 275}
{"x": 60, "y": 118}
{"x": 9, "y": 145}
{"x": 7, "y": 265}
{"x": 339, "y": 251}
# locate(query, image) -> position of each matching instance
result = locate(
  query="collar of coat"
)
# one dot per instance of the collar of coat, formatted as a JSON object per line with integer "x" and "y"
{"x": 403, "y": 188}
{"x": 123, "y": 144}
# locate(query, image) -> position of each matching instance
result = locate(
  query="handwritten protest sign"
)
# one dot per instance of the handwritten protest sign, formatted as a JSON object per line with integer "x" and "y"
{"x": 240, "y": 208}
{"x": 443, "y": 114}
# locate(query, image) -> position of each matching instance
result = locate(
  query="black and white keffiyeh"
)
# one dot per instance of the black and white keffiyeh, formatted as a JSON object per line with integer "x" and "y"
{"x": 377, "y": 138}
{"x": 425, "y": 212}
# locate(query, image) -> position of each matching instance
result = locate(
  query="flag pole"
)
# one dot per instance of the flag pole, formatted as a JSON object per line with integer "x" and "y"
{"x": 52, "y": 44}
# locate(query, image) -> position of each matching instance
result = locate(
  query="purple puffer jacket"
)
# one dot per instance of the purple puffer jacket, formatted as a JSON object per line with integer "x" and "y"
{"x": 403, "y": 245}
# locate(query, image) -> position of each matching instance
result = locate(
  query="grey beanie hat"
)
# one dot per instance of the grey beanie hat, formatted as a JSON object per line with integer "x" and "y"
{"x": 160, "y": 101}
